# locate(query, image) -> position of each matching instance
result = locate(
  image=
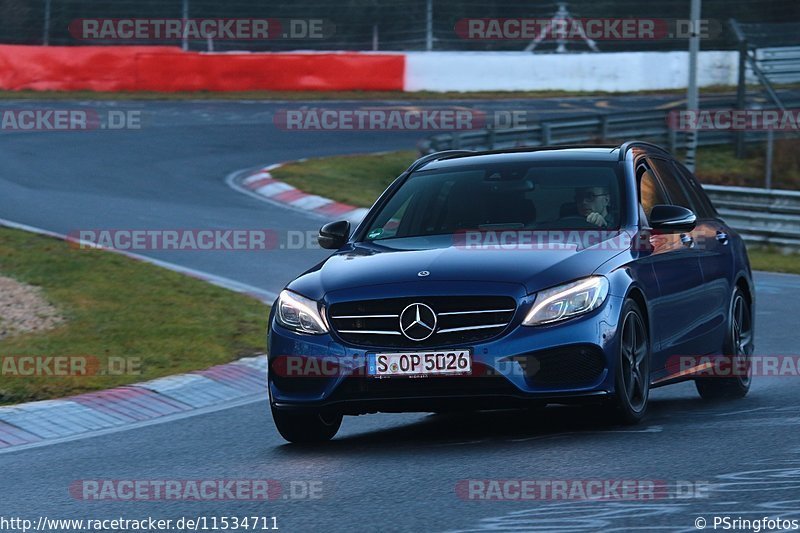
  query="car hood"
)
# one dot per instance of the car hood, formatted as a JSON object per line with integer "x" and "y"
{"x": 431, "y": 260}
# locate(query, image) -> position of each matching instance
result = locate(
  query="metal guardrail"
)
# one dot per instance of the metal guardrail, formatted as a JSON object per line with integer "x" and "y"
{"x": 761, "y": 216}
{"x": 650, "y": 125}
{"x": 780, "y": 65}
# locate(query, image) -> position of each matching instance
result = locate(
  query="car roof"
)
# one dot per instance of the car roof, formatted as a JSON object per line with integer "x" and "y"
{"x": 458, "y": 158}
{"x": 564, "y": 154}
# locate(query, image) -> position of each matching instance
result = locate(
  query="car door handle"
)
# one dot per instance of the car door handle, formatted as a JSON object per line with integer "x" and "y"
{"x": 687, "y": 240}
{"x": 722, "y": 237}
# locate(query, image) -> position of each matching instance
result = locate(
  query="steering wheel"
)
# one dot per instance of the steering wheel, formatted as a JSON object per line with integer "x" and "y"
{"x": 575, "y": 221}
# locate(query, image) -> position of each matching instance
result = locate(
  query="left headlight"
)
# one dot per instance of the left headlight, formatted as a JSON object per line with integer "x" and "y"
{"x": 567, "y": 301}
{"x": 300, "y": 314}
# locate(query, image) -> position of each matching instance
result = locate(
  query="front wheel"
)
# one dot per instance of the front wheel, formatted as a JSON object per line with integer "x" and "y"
{"x": 304, "y": 427}
{"x": 738, "y": 347}
{"x": 632, "y": 389}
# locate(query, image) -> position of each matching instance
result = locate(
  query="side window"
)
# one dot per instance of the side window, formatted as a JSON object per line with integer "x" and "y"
{"x": 696, "y": 192}
{"x": 672, "y": 183}
{"x": 650, "y": 193}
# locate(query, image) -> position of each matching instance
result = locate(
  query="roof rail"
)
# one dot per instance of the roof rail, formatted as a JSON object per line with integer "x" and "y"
{"x": 623, "y": 149}
{"x": 425, "y": 159}
{"x": 543, "y": 148}
{"x": 516, "y": 149}
{"x": 446, "y": 154}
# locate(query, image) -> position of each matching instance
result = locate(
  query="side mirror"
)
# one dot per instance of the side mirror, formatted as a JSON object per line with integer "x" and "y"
{"x": 334, "y": 234}
{"x": 672, "y": 219}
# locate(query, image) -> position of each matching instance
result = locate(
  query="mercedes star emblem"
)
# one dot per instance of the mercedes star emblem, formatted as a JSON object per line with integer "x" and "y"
{"x": 417, "y": 322}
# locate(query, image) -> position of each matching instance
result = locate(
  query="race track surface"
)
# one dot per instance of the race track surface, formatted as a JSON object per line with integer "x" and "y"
{"x": 382, "y": 472}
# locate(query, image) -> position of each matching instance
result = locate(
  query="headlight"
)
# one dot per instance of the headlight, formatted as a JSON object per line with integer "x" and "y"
{"x": 300, "y": 314}
{"x": 567, "y": 301}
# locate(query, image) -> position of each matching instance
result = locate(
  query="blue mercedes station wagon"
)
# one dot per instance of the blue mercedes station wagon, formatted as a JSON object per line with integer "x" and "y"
{"x": 516, "y": 278}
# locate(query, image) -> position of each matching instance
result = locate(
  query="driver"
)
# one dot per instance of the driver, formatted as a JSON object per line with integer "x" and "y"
{"x": 592, "y": 203}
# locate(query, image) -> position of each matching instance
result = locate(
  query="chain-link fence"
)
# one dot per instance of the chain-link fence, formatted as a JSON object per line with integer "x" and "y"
{"x": 378, "y": 24}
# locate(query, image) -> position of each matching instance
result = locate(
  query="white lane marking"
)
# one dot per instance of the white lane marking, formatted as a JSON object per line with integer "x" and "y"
{"x": 544, "y": 437}
{"x": 460, "y": 443}
{"x": 649, "y": 429}
{"x": 138, "y": 425}
{"x": 742, "y": 412}
{"x": 264, "y": 295}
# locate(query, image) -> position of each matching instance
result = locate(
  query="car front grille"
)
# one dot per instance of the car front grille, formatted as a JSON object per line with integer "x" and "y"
{"x": 460, "y": 319}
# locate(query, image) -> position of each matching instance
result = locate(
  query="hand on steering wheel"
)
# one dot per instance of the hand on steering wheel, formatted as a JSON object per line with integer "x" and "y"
{"x": 596, "y": 219}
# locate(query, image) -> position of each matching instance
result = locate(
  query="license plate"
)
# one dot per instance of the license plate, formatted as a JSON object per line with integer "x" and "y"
{"x": 441, "y": 363}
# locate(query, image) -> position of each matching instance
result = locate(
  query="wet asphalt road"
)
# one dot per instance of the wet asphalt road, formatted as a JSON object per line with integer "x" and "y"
{"x": 387, "y": 472}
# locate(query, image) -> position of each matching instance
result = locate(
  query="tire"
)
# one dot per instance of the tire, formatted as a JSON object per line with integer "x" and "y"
{"x": 304, "y": 427}
{"x": 738, "y": 345}
{"x": 632, "y": 376}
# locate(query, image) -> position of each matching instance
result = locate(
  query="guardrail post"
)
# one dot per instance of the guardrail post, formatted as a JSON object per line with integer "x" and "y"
{"x": 672, "y": 137}
{"x": 546, "y": 135}
{"x": 741, "y": 95}
{"x": 429, "y": 25}
{"x": 770, "y": 145}
{"x": 185, "y": 15}
{"x": 490, "y": 136}
{"x": 603, "y": 127}
{"x": 46, "y": 34}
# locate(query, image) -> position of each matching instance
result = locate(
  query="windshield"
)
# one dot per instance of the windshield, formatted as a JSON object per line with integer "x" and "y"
{"x": 509, "y": 196}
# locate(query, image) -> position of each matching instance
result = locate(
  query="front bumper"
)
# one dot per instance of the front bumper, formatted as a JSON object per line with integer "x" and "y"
{"x": 562, "y": 363}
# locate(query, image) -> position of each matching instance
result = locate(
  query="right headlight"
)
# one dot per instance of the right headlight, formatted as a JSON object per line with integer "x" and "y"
{"x": 300, "y": 314}
{"x": 567, "y": 301}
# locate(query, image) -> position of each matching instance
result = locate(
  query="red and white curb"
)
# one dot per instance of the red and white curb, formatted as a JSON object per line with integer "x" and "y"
{"x": 259, "y": 183}
{"x": 47, "y": 421}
